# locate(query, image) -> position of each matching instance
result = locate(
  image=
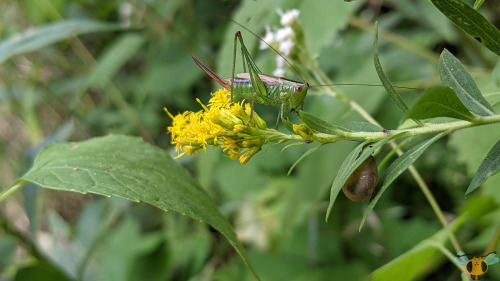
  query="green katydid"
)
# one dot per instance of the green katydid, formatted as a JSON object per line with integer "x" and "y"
{"x": 265, "y": 89}
{"x": 258, "y": 87}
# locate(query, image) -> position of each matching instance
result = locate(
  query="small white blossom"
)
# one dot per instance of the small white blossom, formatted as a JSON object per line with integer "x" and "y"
{"x": 279, "y": 72}
{"x": 286, "y": 47}
{"x": 284, "y": 33}
{"x": 270, "y": 38}
{"x": 280, "y": 61}
{"x": 288, "y": 17}
{"x": 125, "y": 11}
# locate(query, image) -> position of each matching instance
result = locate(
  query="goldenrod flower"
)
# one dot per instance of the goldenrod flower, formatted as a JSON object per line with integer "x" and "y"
{"x": 222, "y": 123}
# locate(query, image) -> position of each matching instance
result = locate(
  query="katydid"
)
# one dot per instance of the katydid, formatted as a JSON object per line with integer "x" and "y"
{"x": 265, "y": 89}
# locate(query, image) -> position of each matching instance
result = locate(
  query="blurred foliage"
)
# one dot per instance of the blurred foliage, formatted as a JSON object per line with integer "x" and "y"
{"x": 118, "y": 82}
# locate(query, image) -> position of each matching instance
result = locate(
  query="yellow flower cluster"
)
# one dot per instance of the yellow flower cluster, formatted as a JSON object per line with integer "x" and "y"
{"x": 239, "y": 131}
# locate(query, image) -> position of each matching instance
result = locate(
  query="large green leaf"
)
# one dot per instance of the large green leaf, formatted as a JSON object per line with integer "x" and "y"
{"x": 35, "y": 39}
{"x": 439, "y": 102}
{"x": 395, "y": 169}
{"x": 454, "y": 75}
{"x": 133, "y": 169}
{"x": 489, "y": 167}
{"x": 471, "y": 21}
{"x": 411, "y": 264}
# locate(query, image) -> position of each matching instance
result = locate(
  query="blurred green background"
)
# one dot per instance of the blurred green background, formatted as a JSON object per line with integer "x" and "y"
{"x": 117, "y": 82}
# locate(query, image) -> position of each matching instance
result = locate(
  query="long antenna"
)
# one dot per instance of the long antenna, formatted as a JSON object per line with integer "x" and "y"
{"x": 365, "y": 85}
{"x": 302, "y": 78}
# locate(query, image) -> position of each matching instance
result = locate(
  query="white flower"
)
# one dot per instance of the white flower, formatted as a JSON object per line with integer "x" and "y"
{"x": 284, "y": 33}
{"x": 286, "y": 47}
{"x": 280, "y": 61}
{"x": 270, "y": 38}
{"x": 279, "y": 72}
{"x": 289, "y": 17}
{"x": 125, "y": 11}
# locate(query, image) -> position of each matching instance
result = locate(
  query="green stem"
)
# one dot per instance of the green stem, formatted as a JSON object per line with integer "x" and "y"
{"x": 426, "y": 129}
{"x": 26, "y": 242}
{"x": 435, "y": 206}
{"x": 18, "y": 184}
{"x": 494, "y": 241}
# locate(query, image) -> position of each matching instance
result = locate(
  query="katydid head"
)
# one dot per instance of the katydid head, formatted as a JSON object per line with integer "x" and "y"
{"x": 298, "y": 95}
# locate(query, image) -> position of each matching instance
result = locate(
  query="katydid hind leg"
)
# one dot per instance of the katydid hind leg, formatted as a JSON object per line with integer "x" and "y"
{"x": 234, "y": 62}
{"x": 243, "y": 60}
{"x": 210, "y": 73}
{"x": 280, "y": 115}
{"x": 258, "y": 86}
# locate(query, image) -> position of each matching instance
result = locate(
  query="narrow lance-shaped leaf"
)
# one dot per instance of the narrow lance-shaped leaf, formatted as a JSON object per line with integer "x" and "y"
{"x": 320, "y": 125}
{"x": 439, "y": 102}
{"x": 454, "y": 75}
{"x": 302, "y": 157}
{"x": 393, "y": 94}
{"x": 351, "y": 162}
{"x": 489, "y": 167}
{"x": 133, "y": 169}
{"x": 471, "y": 21}
{"x": 395, "y": 169}
{"x": 288, "y": 124}
{"x": 114, "y": 58}
{"x": 361, "y": 126}
{"x": 478, "y": 4}
{"x": 40, "y": 37}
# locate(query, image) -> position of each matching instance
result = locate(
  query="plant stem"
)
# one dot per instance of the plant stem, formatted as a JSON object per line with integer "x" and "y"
{"x": 24, "y": 240}
{"x": 18, "y": 184}
{"x": 434, "y": 205}
{"x": 397, "y": 40}
{"x": 426, "y": 129}
{"x": 494, "y": 241}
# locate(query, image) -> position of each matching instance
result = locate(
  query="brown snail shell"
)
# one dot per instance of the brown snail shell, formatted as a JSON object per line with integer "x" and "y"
{"x": 361, "y": 183}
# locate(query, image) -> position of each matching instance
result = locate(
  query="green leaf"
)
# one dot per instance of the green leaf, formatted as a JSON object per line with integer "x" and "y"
{"x": 288, "y": 124}
{"x": 133, "y": 169}
{"x": 495, "y": 74}
{"x": 454, "y": 75}
{"x": 359, "y": 126}
{"x": 302, "y": 157}
{"x": 393, "y": 94}
{"x": 411, "y": 264}
{"x": 40, "y": 37}
{"x": 320, "y": 125}
{"x": 478, "y": 4}
{"x": 395, "y": 169}
{"x": 439, "y": 102}
{"x": 489, "y": 167}
{"x": 471, "y": 21}
{"x": 351, "y": 162}
{"x": 40, "y": 272}
{"x": 114, "y": 58}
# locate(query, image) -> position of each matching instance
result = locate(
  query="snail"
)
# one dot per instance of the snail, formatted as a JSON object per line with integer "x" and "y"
{"x": 361, "y": 183}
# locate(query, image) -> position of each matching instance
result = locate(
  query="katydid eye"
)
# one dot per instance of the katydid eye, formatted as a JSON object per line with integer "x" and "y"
{"x": 298, "y": 89}
{"x": 361, "y": 183}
